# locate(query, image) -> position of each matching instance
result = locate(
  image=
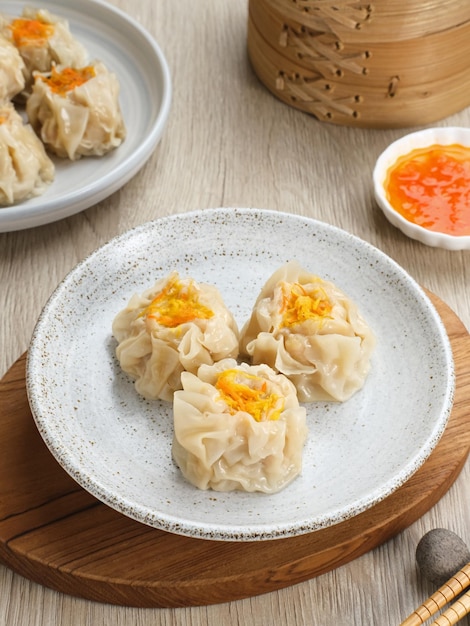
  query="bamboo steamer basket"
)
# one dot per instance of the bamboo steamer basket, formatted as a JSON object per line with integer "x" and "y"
{"x": 389, "y": 64}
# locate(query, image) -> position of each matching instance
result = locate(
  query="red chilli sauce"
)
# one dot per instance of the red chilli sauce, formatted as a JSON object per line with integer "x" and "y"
{"x": 431, "y": 187}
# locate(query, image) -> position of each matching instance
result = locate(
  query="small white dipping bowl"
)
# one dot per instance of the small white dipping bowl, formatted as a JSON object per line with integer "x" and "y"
{"x": 401, "y": 147}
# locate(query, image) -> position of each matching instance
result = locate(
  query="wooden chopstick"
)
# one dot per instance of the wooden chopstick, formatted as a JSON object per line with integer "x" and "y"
{"x": 455, "y": 612}
{"x": 449, "y": 590}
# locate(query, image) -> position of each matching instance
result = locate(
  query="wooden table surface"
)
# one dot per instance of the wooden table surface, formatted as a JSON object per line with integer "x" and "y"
{"x": 230, "y": 143}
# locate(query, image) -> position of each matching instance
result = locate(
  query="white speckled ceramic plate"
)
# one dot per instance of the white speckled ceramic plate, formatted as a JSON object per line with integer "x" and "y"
{"x": 128, "y": 50}
{"x": 118, "y": 446}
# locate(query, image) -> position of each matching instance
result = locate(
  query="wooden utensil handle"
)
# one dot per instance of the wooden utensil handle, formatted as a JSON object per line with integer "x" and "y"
{"x": 454, "y": 613}
{"x": 449, "y": 590}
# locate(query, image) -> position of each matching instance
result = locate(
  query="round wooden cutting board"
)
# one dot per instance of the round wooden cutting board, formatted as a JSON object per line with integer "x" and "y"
{"x": 55, "y": 533}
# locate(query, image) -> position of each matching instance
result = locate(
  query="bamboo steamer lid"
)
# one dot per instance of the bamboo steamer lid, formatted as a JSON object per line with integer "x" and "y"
{"x": 385, "y": 65}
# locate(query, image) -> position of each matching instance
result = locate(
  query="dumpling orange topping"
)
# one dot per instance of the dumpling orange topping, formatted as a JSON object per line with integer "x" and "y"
{"x": 246, "y": 392}
{"x": 177, "y": 304}
{"x": 30, "y": 32}
{"x": 300, "y": 305}
{"x": 7, "y": 114}
{"x": 68, "y": 79}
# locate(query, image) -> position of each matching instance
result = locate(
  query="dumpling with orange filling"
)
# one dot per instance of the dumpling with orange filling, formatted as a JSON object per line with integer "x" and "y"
{"x": 309, "y": 330}
{"x": 76, "y": 111}
{"x": 43, "y": 39}
{"x": 25, "y": 168}
{"x": 176, "y": 325}
{"x": 238, "y": 427}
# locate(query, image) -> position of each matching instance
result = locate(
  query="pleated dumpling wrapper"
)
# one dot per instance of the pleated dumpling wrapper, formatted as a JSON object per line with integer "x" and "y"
{"x": 238, "y": 427}
{"x": 309, "y": 330}
{"x": 176, "y": 325}
{"x": 25, "y": 168}
{"x": 12, "y": 67}
{"x": 43, "y": 39}
{"x": 76, "y": 111}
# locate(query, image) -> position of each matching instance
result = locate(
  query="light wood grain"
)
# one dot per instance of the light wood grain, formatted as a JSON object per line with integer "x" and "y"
{"x": 54, "y": 533}
{"x": 229, "y": 142}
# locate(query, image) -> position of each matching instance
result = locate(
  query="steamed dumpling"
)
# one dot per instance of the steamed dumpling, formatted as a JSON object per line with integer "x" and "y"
{"x": 238, "y": 427}
{"x": 176, "y": 325}
{"x": 25, "y": 168}
{"x": 12, "y": 79}
{"x": 76, "y": 112}
{"x": 307, "y": 329}
{"x": 43, "y": 39}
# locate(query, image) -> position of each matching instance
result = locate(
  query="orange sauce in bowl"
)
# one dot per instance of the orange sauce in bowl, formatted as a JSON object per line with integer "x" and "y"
{"x": 431, "y": 187}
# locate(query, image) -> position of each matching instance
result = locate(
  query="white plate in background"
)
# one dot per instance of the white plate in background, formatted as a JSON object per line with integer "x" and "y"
{"x": 128, "y": 50}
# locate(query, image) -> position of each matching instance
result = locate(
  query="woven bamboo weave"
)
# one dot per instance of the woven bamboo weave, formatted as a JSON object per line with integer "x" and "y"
{"x": 352, "y": 64}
